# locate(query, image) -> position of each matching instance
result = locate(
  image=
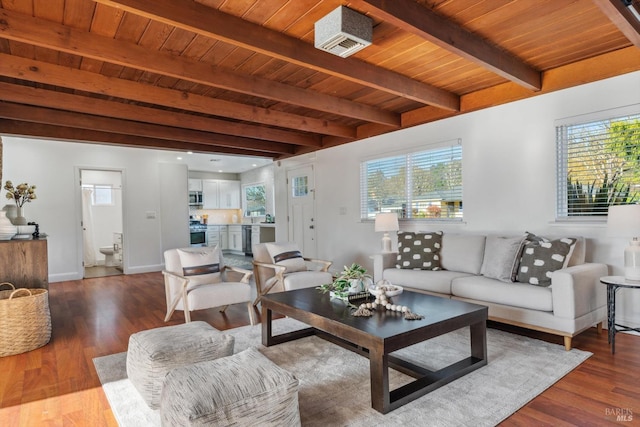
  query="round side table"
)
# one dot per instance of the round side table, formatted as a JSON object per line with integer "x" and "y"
{"x": 613, "y": 284}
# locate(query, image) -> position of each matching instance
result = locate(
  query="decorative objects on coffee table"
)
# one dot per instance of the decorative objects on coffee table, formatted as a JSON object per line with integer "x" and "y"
{"x": 351, "y": 280}
{"x": 384, "y": 286}
{"x": 20, "y": 194}
{"x": 384, "y": 290}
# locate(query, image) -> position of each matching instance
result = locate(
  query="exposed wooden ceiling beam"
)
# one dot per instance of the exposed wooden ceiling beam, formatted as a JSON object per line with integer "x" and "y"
{"x": 42, "y": 72}
{"x": 63, "y": 133}
{"x": 26, "y": 29}
{"x": 622, "y": 17}
{"x": 49, "y": 116}
{"x": 588, "y": 70}
{"x": 208, "y": 22}
{"x": 421, "y": 21}
{"x": 83, "y": 104}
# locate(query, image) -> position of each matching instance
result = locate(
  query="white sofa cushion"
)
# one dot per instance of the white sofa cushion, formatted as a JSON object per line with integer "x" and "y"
{"x": 514, "y": 294}
{"x": 425, "y": 280}
{"x": 462, "y": 252}
{"x": 501, "y": 257}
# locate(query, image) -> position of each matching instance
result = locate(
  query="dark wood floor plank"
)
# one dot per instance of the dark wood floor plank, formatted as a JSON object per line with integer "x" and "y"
{"x": 57, "y": 384}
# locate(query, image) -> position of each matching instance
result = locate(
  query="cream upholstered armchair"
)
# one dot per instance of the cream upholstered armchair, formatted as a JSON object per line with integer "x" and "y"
{"x": 196, "y": 279}
{"x": 281, "y": 267}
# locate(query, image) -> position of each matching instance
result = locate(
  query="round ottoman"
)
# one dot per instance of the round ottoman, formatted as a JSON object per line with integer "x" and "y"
{"x": 153, "y": 353}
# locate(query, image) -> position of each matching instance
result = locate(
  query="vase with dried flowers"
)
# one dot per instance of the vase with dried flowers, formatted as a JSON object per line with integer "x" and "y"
{"x": 20, "y": 194}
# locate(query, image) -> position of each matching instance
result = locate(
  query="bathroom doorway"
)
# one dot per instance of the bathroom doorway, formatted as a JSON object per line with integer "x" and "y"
{"x": 102, "y": 229}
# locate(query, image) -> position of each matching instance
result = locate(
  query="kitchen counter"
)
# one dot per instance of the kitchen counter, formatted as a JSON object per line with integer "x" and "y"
{"x": 267, "y": 224}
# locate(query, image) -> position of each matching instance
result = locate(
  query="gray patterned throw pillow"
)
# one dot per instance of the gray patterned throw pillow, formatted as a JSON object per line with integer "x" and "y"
{"x": 419, "y": 251}
{"x": 541, "y": 257}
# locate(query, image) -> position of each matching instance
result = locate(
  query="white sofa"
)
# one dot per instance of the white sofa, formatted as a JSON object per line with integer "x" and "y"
{"x": 573, "y": 302}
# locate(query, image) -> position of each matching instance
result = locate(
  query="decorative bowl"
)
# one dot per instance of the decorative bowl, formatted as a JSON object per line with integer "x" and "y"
{"x": 391, "y": 290}
{"x": 26, "y": 229}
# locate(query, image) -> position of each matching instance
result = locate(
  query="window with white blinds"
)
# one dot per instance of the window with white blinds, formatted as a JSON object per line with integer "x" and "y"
{"x": 420, "y": 185}
{"x": 598, "y": 164}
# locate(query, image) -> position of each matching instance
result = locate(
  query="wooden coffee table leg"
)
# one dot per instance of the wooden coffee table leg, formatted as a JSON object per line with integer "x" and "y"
{"x": 479, "y": 340}
{"x": 267, "y": 317}
{"x": 379, "y": 372}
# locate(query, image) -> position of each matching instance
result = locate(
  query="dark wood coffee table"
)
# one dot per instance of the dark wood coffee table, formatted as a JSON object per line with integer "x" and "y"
{"x": 385, "y": 332}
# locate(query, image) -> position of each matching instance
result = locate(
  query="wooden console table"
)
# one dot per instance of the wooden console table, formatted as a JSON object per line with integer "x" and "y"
{"x": 24, "y": 263}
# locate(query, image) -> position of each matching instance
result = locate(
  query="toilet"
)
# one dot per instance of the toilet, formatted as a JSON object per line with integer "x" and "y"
{"x": 112, "y": 254}
{"x": 108, "y": 252}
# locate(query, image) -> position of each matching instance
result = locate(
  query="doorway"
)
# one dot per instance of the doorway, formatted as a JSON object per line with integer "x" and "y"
{"x": 302, "y": 228}
{"x": 102, "y": 222}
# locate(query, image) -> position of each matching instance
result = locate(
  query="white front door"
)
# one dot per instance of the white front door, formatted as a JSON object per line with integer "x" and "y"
{"x": 302, "y": 229}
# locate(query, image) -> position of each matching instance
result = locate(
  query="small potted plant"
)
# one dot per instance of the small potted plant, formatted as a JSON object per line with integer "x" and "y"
{"x": 351, "y": 280}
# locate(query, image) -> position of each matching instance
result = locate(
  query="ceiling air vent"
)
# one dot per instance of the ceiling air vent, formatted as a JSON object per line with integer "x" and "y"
{"x": 343, "y": 32}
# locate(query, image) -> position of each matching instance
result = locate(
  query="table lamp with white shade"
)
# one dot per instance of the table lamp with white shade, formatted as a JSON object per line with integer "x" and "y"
{"x": 624, "y": 221}
{"x": 386, "y": 221}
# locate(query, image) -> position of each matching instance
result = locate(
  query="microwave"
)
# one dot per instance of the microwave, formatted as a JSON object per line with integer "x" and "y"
{"x": 195, "y": 198}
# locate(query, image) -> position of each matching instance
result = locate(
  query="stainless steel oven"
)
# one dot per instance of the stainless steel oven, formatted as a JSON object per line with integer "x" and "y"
{"x": 198, "y": 238}
{"x": 198, "y": 234}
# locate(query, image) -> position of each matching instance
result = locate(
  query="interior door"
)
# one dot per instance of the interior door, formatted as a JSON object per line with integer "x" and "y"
{"x": 302, "y": 229}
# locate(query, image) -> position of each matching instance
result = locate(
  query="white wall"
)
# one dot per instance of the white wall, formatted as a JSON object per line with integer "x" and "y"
{"x": 174, "y": 206}
{"x": 53, "y": 167}
{"x": 508, "y": 177}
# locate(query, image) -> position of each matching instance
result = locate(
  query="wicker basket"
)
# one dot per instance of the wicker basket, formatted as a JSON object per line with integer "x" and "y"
{"x": 25, "y": 320}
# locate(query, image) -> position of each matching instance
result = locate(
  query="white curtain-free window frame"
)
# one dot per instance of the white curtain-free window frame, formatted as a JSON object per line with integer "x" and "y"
{"x": 423, "y": 184}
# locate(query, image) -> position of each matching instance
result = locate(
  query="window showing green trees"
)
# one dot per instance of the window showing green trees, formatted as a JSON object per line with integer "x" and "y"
{"x": 598, "y": 165}
{"x": 425, "y": 184}
{"x": 255, "y": 200}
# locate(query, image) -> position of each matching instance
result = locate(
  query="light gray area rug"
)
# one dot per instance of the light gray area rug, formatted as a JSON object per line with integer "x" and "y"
{"x": 334, "y": 382}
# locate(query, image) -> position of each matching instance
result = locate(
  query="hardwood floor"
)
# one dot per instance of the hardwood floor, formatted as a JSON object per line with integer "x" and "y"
{"x": 57, "y": 385}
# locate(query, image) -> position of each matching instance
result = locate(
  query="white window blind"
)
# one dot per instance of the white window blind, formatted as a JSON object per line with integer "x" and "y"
{"x": 598, "y": 165}
{"x": 420, "y": 185}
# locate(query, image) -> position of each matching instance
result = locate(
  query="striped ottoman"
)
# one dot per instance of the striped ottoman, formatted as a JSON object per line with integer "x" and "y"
{"x": 245, "y": 389}
{"x": 153, "y": 353}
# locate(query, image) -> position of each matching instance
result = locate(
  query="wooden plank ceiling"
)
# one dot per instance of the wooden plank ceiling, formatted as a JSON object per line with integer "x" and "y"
{"x": 242, "y": 76}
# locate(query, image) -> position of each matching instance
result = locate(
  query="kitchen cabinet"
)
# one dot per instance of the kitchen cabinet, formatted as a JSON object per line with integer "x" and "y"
{"x": 210, "y": 193}
{"x": 224, "y": 237}
{"x": 220, "y": 194}
{"x": 255, "y": 235}
{"x": 195, "y": 184}
{"x": 218, "y": 235}
{"x": 229, "y": 194}
{"x": 235, "y": 238}
{"x": 213, "y": 235}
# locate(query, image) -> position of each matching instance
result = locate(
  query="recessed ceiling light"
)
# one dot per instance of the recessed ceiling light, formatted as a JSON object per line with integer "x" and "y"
{"x": 254, "y": 165}
{"x": 189, "y": 152}
{"x": 220, "y": 171}
{"x": 179, "y": 158}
